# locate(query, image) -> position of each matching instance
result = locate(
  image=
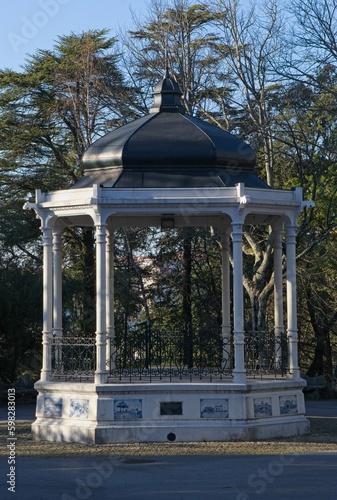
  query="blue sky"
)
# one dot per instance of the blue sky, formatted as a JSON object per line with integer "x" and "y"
{"x": 28, "y": 25}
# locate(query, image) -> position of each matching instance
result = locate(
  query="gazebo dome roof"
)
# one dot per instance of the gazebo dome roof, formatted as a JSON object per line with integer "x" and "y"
{"x": 168, "y": 148}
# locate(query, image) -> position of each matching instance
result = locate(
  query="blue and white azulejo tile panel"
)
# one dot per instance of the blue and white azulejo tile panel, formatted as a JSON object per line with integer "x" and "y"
{"x": 214, "y": 408}
{"x": 288, "y": 405}
{"x": 52, "y": 407}
{"x": 79, "y": 408}
{"x": 127, "y": 409}
{"x": 262, "y": 407}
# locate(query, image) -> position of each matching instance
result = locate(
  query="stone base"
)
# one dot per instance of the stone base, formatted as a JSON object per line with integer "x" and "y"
{"x": 181, "y": 412}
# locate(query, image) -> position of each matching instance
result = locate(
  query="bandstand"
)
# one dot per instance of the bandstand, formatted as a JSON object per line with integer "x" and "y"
{"x": 169, "y": 169}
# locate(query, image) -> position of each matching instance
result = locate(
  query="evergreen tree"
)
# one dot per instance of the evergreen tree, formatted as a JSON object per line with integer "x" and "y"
{"x": 50, "y": 113}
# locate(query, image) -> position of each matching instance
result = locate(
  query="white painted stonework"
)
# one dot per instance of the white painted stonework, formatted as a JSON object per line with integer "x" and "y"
{"x": 100, "y": 421}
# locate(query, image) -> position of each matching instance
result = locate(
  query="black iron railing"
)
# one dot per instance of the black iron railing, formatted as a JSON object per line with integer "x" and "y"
{"x": 73, "y": 358}
{"x": 266, "y": 353}
{"x": 170, "y": 356}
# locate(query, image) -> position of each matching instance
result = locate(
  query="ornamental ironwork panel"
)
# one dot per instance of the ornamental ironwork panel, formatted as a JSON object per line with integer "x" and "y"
{"x": 73, "y": 358}
{"x": 266, "y": 353}
{"x": 170, "y": 356}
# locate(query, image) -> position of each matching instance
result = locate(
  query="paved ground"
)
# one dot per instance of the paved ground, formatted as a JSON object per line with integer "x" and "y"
{"x": 321, "y": 408}
{"x": 303, "y": 477}
{"x": 259, "y": 477}
{"x": 22, "y": 412}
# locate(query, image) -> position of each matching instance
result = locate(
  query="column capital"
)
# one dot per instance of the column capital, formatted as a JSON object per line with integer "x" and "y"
{"x": 101, "y": 233}
{"x": 237, "y": 231}
{"x": 278, "y": 231}
{"x": 57, "y": 240}
{"x": 291, "y": 231}
{"x": 47, "y": 236}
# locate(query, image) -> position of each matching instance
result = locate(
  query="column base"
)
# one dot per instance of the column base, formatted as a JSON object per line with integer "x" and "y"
{"x": 45, "y": 376}
{"x": 101, "y": 378}
{"x": 239, "y": 377}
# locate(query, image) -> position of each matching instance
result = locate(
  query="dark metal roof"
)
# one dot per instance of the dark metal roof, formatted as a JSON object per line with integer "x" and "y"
{"x": 168, "y": 148}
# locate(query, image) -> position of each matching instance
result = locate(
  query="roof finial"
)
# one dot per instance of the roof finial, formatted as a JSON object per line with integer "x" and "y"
{"x": 166, "y": 57}
{"x": 167, "y": 93}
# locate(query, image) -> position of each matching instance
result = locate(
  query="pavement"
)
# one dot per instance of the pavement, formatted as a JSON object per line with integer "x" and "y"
{"x": 251, "y": 477}
{"x": 22, "y": 412}
{"x": 260, "y": 477}
{"x": 321, "y": 408}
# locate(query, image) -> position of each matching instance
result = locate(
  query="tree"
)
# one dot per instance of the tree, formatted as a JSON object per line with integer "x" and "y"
{"x": 176, "y": 36}
{"x": 239, "y": 68}
{"x": 56, "y": 108}
{"x": 20, "y": 293}
{"x": 307, "y": 151}
{"x": 240, "y": 53}
{"x": 318, "y": 317}
{"x": 248, "y": 46}
{"x": 50, "y": 113}
{"x": 186, "y": 300}
{"x": 310, "y": 40}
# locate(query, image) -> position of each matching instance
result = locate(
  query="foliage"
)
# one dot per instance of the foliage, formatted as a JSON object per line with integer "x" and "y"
{"x": 266, "y": 73}
{"x": 49, "y": 114}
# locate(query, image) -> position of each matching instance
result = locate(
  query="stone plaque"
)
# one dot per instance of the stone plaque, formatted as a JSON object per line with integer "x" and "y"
{"x": 171, "y": 408}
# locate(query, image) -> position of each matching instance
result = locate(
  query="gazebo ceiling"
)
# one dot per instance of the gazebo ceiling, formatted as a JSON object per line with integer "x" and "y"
{"x": 168, "y": 148}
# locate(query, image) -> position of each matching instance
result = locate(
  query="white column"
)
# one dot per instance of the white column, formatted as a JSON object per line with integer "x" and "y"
{"x": 47, "y": 303}
{"x": 291, "y": 302}
{"x": 225, "y": 302}
{"x": 239, "y": 337}
{"x": 101, "y": 300}
{"x": 57, "y": 295}
{"x": 57, "y": 282}
{"x": 110, "y": 286}
{"x": 278, "y": 295}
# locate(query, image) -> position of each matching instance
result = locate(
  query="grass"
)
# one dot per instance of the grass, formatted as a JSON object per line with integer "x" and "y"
{"x": 323, "y": 437}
